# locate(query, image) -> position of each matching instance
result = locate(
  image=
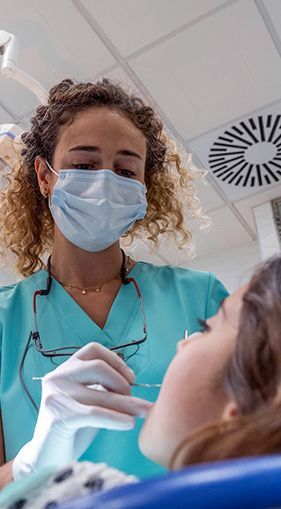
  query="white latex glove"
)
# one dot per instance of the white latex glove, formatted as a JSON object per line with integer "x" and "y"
{"x": 71, "y": 412}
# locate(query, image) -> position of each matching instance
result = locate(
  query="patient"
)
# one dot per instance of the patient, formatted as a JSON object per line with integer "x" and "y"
{"x": 220, "y": 397}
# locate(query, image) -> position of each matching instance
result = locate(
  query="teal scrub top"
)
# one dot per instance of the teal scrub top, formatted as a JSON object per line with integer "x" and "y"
{"x": 174, "y": 299}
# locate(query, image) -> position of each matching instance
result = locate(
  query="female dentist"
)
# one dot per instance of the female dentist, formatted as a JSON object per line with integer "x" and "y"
{"x": 96, "y": 166}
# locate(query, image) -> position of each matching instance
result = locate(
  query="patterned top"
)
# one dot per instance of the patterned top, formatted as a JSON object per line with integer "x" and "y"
{"x": 47, "y": 489}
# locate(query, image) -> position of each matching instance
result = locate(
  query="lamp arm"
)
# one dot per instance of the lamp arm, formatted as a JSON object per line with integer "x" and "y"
{"x": 9, "y": 68}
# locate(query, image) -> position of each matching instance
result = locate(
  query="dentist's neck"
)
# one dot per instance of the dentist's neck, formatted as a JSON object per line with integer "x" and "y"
{"x": 73, "y": 265}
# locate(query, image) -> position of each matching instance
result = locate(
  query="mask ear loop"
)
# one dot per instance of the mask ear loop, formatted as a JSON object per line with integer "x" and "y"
{"x": 51, "y": 169}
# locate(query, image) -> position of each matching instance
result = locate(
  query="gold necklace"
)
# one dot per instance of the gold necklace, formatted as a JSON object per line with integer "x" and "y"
{"x": 97, "y": 289}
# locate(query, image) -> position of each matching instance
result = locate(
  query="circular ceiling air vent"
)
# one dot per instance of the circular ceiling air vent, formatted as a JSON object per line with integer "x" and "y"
{"x": 249, "y": 152}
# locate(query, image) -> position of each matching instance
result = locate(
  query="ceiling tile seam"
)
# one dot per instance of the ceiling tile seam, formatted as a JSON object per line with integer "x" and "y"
{"x": 179, "y": 30}
{"x": 211, "y": 210}
{"x": 54, "y": 33}
{"x": 101, "y": 74}
{"x": 99, "y": 31}
{"x": 142, "y": 88}
{"x": 232, "y": 121}
{"x": 269, "y": 24}
{"x": 85, "y": 13}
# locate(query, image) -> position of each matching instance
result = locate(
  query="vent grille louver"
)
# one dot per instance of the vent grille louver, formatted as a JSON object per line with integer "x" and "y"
{"x": 248, "y": 154}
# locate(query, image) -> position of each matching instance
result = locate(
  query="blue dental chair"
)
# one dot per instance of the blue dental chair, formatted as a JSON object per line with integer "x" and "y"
{"x": 250, "y": 483}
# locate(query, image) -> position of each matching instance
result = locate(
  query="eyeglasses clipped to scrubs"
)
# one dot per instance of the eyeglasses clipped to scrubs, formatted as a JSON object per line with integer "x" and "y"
{"x": 67, "y": 351}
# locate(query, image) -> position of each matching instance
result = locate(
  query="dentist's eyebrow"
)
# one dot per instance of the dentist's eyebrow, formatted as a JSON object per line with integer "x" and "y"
{"x": 89, "y": 148}
{"x": 129, "y": 153}
{"x": 85, "y": 148}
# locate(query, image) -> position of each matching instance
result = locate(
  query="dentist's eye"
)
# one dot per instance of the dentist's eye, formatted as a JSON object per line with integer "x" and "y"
{"x": 84, "y": 166}
{"x": 205, "y": 326}
{"x": 125, "y": 173}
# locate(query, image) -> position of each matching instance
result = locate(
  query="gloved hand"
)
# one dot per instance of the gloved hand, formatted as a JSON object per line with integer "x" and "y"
{"x": 71, "y": 411}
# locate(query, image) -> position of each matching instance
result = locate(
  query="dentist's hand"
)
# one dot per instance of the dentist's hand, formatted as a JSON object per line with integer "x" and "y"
{"x": 71, "y": 411}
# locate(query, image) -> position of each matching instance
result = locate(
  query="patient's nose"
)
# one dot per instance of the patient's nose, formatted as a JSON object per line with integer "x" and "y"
{"x": 183, "y": 342}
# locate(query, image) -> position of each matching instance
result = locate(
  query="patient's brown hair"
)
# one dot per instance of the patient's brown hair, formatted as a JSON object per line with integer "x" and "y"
{"x": 251, "y": 378}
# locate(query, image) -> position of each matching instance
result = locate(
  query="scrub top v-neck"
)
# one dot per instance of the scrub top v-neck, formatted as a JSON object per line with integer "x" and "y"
{"x": 174, "y": 299}
{"x": 119, "y": 320}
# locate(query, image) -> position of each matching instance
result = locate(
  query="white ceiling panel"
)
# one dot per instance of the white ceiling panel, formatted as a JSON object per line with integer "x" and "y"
{"x": 132, "y": 24}
{"x": 214, "y": 71}
{"x": 54, "y": 42}
{"x": 244, "y": 156}
{"x": 273, "y": 8}
{"x": 224, "y": 233}
{"x": 79, "y": 49}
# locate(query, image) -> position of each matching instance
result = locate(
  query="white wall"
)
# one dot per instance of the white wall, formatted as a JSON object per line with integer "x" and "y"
{"x": 233, "y": 266}
{"x": 268, "y": 235}
{"x": 7, "y": 276}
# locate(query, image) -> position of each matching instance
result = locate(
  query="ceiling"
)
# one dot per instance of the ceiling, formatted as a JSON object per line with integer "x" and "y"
{"x": 211, "y": 66}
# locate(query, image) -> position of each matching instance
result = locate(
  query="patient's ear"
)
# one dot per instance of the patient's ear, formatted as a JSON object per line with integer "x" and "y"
{"x": 230, "y": 411}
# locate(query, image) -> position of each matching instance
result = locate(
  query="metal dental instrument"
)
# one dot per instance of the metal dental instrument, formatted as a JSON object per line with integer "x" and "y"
{"x": 147, "y": 385}
{"x": 134, "y": 384}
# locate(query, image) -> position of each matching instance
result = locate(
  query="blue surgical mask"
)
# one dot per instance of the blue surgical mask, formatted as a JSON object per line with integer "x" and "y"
{"x": 94, "y": 208}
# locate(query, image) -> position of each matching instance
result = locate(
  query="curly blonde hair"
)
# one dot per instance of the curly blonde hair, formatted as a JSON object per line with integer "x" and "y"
{"x": 27, "y": 227}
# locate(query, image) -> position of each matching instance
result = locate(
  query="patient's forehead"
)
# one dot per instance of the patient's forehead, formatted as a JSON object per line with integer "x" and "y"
{"x": 232, "y": 305}
{"x": 238, "y": 294}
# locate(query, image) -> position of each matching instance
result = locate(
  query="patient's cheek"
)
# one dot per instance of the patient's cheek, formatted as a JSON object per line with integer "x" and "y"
{"x": 184, "y": 403}
{"x": 162, "y": 420}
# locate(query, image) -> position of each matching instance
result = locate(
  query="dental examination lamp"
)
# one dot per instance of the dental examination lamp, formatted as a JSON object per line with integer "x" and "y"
{"x": 9, "y": 51}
